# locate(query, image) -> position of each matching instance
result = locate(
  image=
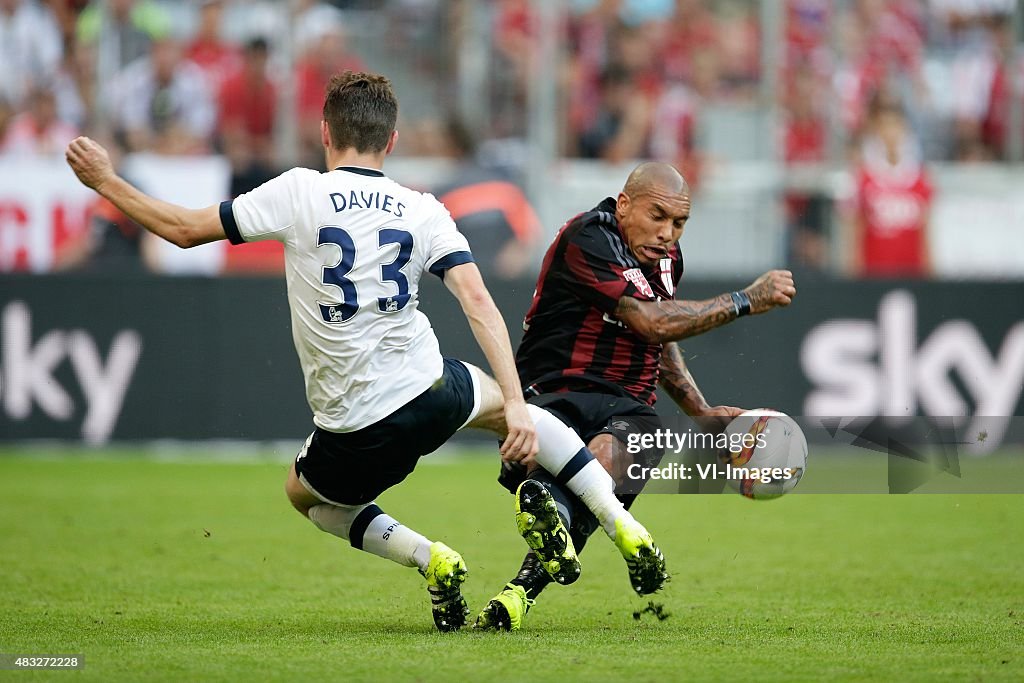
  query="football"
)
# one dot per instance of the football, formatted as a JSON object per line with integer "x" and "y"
{"x": 766, "y": 454}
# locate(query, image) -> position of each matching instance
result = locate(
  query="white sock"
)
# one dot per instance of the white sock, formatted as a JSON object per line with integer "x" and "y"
{"x": 368, "y": 528}
{"x": 596, "y": 488}
{"x": 566, "y": 457}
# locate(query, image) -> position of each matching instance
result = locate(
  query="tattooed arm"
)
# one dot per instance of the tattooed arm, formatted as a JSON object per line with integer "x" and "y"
{"x": 664, "y": 321}
{"x": 661, "y": 321}
{"x": 676, "y": 380}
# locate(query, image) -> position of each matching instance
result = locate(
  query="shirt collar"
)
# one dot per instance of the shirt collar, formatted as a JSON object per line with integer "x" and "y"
{"x": 362, "y": 171}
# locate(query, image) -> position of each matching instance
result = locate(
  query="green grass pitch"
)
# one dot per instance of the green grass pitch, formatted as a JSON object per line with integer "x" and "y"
{"x": 187, "y": 571}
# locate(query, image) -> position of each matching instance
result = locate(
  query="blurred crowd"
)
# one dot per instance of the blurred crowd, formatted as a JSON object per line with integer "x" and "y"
{"x": 882, "y": 85}
{"x": 145, "y": 76}
{"x": 879, "y": 86}
{"x": 639, "y": 71}
{"x": 637, "y": 74}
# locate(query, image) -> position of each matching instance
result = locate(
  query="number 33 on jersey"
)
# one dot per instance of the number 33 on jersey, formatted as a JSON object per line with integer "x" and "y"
{"x": 356, "y": 244}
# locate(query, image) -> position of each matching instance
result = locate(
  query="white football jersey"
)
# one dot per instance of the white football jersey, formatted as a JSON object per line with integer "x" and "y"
{"x": 356, "y": 244}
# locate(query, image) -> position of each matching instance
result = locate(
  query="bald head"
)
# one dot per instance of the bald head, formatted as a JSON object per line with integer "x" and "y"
{"x": 652, "y": 210}
{"x": 655, "y": 177}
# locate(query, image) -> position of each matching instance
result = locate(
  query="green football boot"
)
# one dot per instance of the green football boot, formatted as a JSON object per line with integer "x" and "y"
{"x": 644, "y": 560}
{"x": 445, "y": 573}
{"x": 539, "y": 523}
{"x": 505, "y": 611}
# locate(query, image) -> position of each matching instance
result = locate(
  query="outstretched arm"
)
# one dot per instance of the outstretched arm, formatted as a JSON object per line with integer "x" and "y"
{"x": 176, "y": 224}
{"x": 465, "y": 282}
{"x": 665, "y": 321}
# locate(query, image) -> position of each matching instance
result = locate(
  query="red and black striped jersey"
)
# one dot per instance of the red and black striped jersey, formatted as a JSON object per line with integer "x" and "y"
{"x": 571, "y": 340}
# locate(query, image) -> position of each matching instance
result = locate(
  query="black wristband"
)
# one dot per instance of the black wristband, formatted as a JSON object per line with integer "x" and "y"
{"x": 742, "y": 303}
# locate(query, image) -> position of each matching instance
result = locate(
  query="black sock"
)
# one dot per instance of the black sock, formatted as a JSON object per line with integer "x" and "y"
{"x": 532, "y": 576}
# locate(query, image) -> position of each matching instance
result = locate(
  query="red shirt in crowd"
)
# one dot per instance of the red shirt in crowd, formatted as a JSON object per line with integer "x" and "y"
{"x": 217, "y": 60}
{"x": 995, "y": 123}
{"x": 893, "y": 205}
{"x": 805, "y": 140}
{"x": 247, "y": 105}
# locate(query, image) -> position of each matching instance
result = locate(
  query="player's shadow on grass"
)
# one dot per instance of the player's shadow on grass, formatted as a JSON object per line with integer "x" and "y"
{"x": 319, "y": 628}
{"x": 370, "y": 630}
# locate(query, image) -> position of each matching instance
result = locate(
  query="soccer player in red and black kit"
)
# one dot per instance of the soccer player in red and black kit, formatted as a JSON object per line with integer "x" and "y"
{"x": 599, "y": 338}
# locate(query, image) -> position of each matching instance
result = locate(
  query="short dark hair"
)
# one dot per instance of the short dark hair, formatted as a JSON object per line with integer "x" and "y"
{"x": 361, "y": 111}
{"x": 258, "y": 45}
{"x": 884, "y": 101}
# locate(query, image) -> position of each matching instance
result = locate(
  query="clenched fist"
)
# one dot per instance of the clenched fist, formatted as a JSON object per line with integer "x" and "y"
{"x": 90, "y": 162}
{"x": 774, "y": 288}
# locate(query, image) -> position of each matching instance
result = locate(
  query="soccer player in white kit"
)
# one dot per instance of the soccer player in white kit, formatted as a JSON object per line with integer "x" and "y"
{"x": 356, "y": 244}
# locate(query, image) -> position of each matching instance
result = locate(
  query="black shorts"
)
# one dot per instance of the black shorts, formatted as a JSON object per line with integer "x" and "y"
{"x": 353, "y": 468}
{"x": 589, "y": 415}
{"x": 592, "y": 414}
